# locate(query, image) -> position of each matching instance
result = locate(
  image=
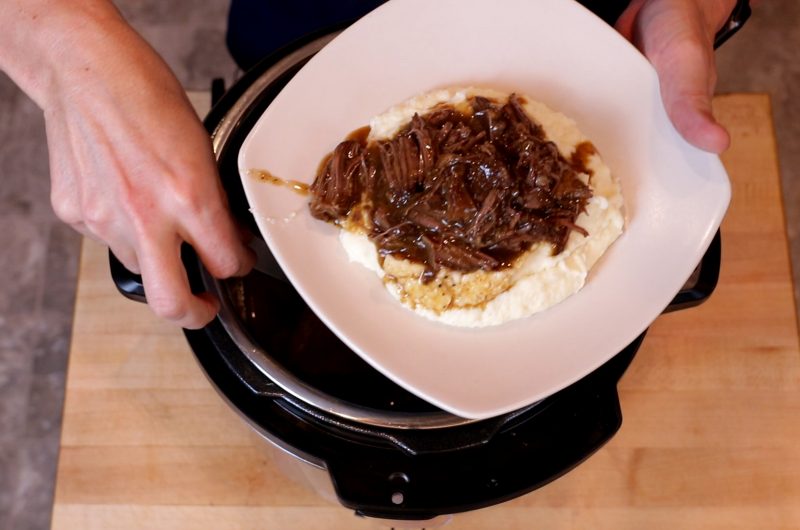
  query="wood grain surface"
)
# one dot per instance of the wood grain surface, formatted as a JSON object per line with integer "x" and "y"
{"x": 711, "y": 406}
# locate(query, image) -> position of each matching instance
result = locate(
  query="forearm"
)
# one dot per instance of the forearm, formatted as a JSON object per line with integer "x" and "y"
{"x": 130, "y": 163}
{"x": 44, "y": 42}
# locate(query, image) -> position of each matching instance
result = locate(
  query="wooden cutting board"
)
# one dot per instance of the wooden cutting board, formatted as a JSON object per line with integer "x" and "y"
{"x": 711, "y": 406}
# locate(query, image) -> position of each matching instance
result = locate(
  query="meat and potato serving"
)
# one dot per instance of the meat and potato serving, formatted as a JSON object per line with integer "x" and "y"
{"x": 475, "y": 207}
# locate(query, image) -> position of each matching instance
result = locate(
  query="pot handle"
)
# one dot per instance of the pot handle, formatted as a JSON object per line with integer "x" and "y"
{"x": 130, "y": 285}
{"x": 703, "y": 280}
{"x": 741, "y": 12}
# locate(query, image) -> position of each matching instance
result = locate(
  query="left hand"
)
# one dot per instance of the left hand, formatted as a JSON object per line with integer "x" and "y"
{"x": 677, "y": 36}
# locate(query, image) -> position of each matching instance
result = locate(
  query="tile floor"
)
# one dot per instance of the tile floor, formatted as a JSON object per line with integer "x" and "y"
{"x": 38, "y": 262}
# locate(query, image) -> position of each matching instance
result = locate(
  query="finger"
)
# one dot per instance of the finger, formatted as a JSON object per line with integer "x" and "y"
{"x": 219, "y": 243}
{"x": 66, "y": 195}
{"x": 223, "y": 253}
{"x": 167, "y": 287}
{"x": 64, "y": 189}
{"x": 124, "y": 253}
{"x": 681, "y": 52}
{"x": 626, "y": 21}
{"x": 693, "y": 119}
{"x": 686, "y": 77}
{"x": 127, "y": 256}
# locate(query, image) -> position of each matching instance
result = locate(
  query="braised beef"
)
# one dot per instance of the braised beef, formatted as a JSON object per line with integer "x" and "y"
{"x": 336, "y": 190}
{"x": 466, "y": 192}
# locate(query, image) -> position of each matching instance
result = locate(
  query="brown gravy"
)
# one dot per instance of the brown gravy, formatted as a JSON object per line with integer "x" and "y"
{"x": 265, "y": 176}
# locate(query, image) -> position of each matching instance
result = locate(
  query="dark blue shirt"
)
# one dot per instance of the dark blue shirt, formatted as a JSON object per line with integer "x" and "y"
{"x": 257, "y": 28}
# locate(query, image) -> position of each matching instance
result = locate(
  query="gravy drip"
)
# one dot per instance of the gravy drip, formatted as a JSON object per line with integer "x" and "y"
{"x": 265, "y": 176}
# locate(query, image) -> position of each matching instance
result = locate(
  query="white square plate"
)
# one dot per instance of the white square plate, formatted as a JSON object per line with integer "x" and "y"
{"x": 554, "y": 51}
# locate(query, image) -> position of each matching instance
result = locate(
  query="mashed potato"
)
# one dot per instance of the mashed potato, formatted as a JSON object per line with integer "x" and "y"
{"x": 537, "y": 280}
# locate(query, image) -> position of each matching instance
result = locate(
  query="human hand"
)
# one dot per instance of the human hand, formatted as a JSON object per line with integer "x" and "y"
{"x": 131, "y": 165}
{"x": 677, "y": 36}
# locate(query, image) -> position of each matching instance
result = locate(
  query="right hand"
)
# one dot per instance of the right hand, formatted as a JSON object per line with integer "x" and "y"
{"x": 131, "y": 165}
{"x": 677, "y": 36}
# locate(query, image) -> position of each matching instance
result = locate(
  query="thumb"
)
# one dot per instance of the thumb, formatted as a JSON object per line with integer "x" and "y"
{"x": 673, "y": 36}
{"x": 691, "y": 115}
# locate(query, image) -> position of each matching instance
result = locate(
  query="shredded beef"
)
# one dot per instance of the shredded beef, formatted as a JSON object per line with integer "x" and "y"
{"x": 466, "y": 192}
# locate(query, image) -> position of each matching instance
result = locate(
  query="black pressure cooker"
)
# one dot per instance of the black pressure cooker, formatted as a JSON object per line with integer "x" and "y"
{"x": 356, "y": 436}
